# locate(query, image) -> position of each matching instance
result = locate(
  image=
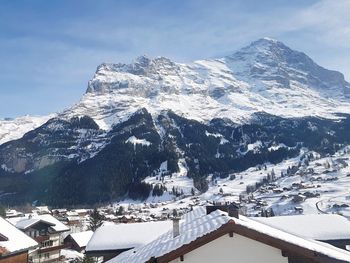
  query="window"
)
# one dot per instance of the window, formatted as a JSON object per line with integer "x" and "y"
{"x": 47, "y": 243}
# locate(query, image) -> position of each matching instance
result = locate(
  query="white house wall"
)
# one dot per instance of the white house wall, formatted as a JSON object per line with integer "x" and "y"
{"x": 234, "y": 249}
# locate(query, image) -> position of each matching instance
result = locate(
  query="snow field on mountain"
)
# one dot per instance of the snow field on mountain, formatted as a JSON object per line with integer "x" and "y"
{"x": 16, "y": 128}
{"x": 178, "y": 180}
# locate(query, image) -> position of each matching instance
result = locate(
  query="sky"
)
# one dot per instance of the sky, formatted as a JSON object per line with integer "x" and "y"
{"x": 50, "y": 49}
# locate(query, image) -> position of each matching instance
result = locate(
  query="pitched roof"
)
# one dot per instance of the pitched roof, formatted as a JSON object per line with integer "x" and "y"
{"x": 29, "y": 219}
{"x": 189, "y": 232}
{"x": 126, "y": 236}
{"x": 82, "y": 238}
{"x": 26, "y": 223}
{"x": 319, "y": 227}
{"x": 16, "y": 239}
{"x": 201, "y": 230}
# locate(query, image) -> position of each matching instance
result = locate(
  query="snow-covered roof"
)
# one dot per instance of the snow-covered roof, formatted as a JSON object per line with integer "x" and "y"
{"x": 73, "y": 218}
{"x": 124, "y": 236}
{"x": 82, "y": 238}
{"x": 70, "y": 254}
{"x": 319, "y": 227}
{"x": 203, "y": 225}
{"x": 13, "y": 213}
{"x": 80, "y": 211}
{"x": 30, "y": 218}
{"x": 60, "y": 210}
{"x": 16, "y": 240}
{"x": 72, "y": 213}
{"x": 189, "y": 231}
{"x": 194, "y": 214}
{"x": 25, "y": 223}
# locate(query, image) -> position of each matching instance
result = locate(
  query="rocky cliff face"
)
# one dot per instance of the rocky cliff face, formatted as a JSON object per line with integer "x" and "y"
{"x": 271, "y": 63}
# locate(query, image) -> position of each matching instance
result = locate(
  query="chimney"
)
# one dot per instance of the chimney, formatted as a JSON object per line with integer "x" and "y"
{"x": 233, "y": 210}
{"x": 176, "y": 226}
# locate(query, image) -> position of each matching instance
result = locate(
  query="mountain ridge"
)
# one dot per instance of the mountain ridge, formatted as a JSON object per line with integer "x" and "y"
{"x": 234, "y": 87}
{"x": 264, "y": 85}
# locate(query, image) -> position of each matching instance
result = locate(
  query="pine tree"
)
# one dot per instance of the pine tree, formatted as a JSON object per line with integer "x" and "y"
{"x": 96, "y": 220}
{"x": 120, "y": 211}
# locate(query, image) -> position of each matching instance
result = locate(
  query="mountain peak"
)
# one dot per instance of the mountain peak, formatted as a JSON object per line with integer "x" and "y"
{"x": 266, "y": 40}
{"x": 143, "y": 60}
{"x": 267, "y": 44}
{"x": 269, "y": 39}
{"x": 270, "y": 60}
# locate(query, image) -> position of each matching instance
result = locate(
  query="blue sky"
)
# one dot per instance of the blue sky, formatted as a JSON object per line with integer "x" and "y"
{"x": 50, "y": 49}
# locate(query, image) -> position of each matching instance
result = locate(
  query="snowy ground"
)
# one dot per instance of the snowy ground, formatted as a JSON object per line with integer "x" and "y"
{"x": 322, "y": 184}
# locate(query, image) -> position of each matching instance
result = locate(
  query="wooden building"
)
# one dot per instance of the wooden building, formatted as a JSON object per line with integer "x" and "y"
{"x": 226, "y": 237}
{"x": 47, "y": 231}
{"x": 14, "y": 244}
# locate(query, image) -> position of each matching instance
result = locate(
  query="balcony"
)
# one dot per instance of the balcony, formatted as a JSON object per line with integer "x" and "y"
{"x": 40, "y": 239}
{"x": 48, "y": 249}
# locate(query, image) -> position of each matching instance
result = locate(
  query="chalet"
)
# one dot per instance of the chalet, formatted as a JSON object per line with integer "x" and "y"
{"x": 72, "y": 213}
{"x": 59, "y": 212}
{"x": 126, "y": 219}
{"x": 329, "y": 228}
{"x": 14, "y": 244}
{"x": 41, "y": 210}
{"x": 111, "y": 218}
{"x": 47, "y": 231}
{"x": 78, "y": 241}
{"x": 299, "y": 198}
{"x": 110, "y": 240}
{"x": 82, "y": 212}
{"x": 13, "y": 213}
{"x": 73, "y": 221}
{"x": 218, "y": 236}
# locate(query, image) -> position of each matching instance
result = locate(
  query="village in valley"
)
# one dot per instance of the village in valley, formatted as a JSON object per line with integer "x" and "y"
{"x": 286, "y": 198}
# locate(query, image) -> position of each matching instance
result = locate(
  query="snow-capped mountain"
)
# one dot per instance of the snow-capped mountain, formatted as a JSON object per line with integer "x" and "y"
{"x": 12, "y": 129}
{"x": 261, "y": 104}
{"x": 264, "y": 76}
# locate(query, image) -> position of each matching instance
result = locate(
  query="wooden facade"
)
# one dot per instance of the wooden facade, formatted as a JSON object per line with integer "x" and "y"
{"x": 15, "y": 258}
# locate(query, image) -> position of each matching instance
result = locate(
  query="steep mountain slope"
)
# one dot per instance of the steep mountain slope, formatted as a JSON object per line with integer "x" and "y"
{"x": 210, "y": 117}
{"x": 54, "y": 141}
{"x": 269, "y": 63}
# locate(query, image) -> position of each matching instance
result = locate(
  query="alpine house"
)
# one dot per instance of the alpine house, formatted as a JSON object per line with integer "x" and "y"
{"x": 219, "y": 236}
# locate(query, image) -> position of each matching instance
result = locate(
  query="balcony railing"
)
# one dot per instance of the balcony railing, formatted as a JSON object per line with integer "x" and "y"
{"x": 40, "y": 239}
{"x": 47, "y": 249}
